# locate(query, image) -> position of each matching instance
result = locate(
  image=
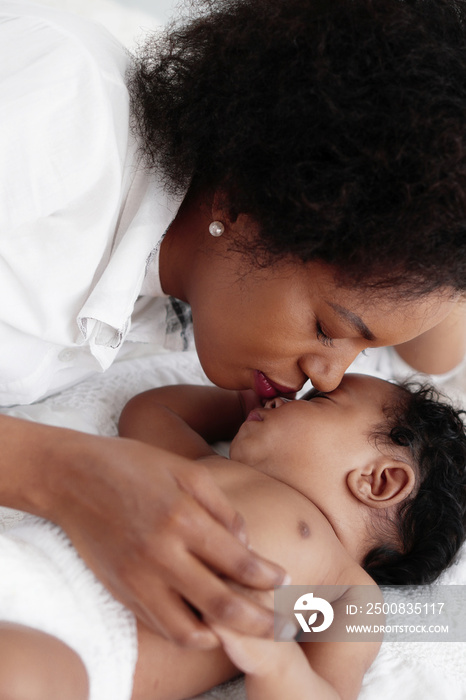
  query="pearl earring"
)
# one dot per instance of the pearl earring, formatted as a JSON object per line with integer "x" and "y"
{"x": 216, "y": 228}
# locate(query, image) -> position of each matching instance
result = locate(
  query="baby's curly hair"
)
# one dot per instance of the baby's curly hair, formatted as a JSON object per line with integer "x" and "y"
{"x": 430, "y": 525}
{"x": 338, "y": 125}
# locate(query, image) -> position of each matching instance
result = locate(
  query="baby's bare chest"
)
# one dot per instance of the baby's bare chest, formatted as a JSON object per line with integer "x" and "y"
{"x": 283, "y": 525}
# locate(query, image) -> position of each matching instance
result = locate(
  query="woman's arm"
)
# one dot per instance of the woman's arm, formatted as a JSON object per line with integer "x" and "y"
{"x": 154, "y": 536}
{"x": 440, "y": 349}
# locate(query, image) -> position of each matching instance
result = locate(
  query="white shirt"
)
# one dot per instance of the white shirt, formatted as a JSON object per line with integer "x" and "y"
{"x": 80, "y": 224}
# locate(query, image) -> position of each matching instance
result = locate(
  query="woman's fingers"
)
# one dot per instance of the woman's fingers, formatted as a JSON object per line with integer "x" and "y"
{"x": 175, "y": 620}
{"x": 196, "y": 480}
{"x": 191, "y": 554}
{"x": 217, "y": 601}
{"x": 211, "y": 540}
{"x": 214, "y": 546}
{"x": 178, "y": 591}
{"x": 183, "y": 623}
{"x": 160, "y": 534}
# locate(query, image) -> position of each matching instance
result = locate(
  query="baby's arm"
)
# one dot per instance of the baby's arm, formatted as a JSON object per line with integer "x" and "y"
{"x": 274, "y": 670}
{"x": 330, "y": 669}
{"x": 312, "y": 670}
{"x": 184, "y": 419}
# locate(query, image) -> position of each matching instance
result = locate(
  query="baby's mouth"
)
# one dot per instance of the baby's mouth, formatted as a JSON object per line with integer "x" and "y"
{"x": 254, "y": 415}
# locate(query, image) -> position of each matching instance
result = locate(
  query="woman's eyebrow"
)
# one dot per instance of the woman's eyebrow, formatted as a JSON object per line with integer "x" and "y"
{"x": 353, "y": 319}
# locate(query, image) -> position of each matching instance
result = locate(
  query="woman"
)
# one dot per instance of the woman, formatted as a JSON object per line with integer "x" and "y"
{"x": 317, "y": 151}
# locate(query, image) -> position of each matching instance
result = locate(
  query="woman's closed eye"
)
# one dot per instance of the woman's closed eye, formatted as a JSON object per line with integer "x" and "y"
{"x": 322, "y": 336}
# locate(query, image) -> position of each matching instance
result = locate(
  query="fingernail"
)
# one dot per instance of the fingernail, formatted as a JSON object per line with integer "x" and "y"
{"x": 203, "y": 640}
{"x": 286, "y": 580}
{"x": 288, "y": 632}
{"x": 239, "y": 529}
{"x": 242, "y": 536}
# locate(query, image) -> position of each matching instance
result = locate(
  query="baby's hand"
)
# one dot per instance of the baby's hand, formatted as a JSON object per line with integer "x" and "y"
{"x": 252, "y": 655}
{"x": 255, "y": 655}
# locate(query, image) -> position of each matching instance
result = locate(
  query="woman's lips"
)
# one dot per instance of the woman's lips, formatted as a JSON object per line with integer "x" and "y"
{"x": 265, "y": 388}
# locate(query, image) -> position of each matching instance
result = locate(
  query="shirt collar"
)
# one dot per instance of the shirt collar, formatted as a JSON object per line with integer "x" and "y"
{"x": 105, "y": 318}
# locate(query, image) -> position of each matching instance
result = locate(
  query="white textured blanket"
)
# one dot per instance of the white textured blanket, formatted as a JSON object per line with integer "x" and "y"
{"x": 405, "y": 671}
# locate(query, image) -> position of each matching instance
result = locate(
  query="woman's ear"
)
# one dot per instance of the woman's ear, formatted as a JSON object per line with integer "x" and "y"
{"x": 382, "y": 483}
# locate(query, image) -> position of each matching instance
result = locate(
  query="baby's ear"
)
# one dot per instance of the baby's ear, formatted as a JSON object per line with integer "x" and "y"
{"x": 382, "y": 483}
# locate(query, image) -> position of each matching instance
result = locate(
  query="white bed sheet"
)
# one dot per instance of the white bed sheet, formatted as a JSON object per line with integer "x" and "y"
{"x": 405, "y": 671}
{"x": 402, "y": 671}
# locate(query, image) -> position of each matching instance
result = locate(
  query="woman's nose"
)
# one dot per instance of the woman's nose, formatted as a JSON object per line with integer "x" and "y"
{"x": 326, "y": 373}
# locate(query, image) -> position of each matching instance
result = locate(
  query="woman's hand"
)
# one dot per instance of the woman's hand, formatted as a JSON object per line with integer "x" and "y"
{"x": 254, "y": 655}
{"x": 157, "y": 531}
{"x": 274, "y": 669}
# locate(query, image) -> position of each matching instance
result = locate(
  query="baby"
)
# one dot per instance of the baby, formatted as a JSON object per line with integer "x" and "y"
{"x": 340, "y": 489}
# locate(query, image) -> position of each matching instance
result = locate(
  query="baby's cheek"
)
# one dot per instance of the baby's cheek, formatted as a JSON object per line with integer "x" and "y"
{"x": 244, "y": 449}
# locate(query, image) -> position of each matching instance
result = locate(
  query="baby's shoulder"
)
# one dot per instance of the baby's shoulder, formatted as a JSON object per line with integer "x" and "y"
{"x": 282, "y": 524}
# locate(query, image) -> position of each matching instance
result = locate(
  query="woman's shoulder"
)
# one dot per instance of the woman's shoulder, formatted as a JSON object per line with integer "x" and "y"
{"x": 33, "y": 28}
{"x": 65, "y": 111}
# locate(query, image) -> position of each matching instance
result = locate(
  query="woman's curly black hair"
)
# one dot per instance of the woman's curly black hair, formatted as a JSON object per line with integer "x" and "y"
{"x": 431, "y": 525}
{"x": 338, "y": 125}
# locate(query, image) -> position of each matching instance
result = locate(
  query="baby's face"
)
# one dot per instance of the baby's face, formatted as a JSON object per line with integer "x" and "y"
{"x": 304, "y": 443}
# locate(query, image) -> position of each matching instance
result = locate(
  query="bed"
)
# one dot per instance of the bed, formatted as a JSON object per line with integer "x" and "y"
{"x": 405, "y": 671}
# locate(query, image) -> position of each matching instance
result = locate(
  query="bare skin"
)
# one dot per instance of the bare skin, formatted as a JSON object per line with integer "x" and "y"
{"x": 441, "y": 348}
{"x": 308, "y": 481}
{"x": 282, "y": 324}
{"x": 290, "y": 321}
{"x": 195, "y": 517}
{"x": 37, "y": 666}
